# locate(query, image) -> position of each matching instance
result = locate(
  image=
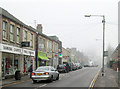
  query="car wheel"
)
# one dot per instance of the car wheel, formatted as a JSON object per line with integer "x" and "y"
{"x": 57, "y": 77}
{"x": 65, "y": 71}
{"x": 51, "y": 79}
{"x": 34, "y": 81}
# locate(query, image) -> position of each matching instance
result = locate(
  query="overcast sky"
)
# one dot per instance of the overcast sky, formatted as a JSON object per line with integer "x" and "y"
{"x": 65, "y": 19}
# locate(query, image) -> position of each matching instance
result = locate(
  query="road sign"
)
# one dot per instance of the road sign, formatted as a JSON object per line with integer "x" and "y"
{"x": 105, "y": 53}
{"x": 25, "y": 44}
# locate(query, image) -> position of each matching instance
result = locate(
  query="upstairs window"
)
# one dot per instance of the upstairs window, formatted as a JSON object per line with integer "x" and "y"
{"x": 4, "y": 28}
{"x": 31, "y": 40}
{"x": 25, "y": 35}
{"x": 18, "y": 35}
{"x": 12, "y": 33}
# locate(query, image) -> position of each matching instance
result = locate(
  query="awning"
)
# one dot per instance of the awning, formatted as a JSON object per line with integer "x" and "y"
{"x": 42, "y": 56}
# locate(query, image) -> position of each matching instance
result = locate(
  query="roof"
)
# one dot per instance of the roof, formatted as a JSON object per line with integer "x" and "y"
{"x": 14, "y": 19}
{"x": 6, "y": 14}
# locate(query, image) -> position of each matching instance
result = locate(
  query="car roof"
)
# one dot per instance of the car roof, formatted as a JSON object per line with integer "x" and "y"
{"x": 45, "y": 66}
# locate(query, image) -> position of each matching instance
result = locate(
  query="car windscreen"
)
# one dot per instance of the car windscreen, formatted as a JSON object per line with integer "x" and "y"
{"x": 60, "y": 66}
{"x": 42, "y": 69}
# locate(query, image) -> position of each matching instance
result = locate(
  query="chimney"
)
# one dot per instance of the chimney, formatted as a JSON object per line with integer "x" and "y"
{"x": 39, "y": 28}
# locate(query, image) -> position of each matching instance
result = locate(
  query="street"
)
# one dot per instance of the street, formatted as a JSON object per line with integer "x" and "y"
{"x": 79, "y": 78}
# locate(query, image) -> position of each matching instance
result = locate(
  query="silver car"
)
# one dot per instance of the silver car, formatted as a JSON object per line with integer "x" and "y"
{"x": 45, "y": 73}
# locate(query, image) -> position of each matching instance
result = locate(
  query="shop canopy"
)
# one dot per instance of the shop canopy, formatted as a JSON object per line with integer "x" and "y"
{"x": 42, "y": 56}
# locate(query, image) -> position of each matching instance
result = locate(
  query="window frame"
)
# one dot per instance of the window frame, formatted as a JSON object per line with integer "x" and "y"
{"x": 4, "y": 30}
{"x": 12, "y": 33}
{"x": 18, "y": 34}
{"x": 31, "y": 39}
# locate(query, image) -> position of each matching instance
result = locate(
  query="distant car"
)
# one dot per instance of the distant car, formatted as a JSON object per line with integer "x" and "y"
{"x": 86, "y": 65}
{"x": 79, "y": 66}
{"x": 74, "y": 66}
{"x": 61, "y": 68}
{"x": 45, "y": 73}
{"x": 71, "y": 65}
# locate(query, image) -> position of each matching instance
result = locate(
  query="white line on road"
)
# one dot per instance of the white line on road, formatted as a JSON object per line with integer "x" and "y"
{"x": 43, "y": 85}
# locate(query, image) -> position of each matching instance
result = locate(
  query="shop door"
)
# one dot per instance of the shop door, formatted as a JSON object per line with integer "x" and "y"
{"x": 3, "y": 68}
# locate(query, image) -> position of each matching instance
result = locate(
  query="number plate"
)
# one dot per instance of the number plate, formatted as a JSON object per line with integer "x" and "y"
{"x": 39, "y": 74}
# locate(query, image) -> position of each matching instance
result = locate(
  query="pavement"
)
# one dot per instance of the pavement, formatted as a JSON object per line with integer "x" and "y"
{"x": 110, "y": 79}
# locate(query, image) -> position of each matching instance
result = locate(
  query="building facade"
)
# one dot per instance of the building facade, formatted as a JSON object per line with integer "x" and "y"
{"x": 13, "y": 56}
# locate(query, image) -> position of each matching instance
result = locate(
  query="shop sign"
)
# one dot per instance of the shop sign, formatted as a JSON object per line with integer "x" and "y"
{"x": 16, "y": 50}
{"x": 25, "y": 44}
{"x": 10, "y": 49}
{"x": 28, "y": 52}
{"x": 105, "y": 53}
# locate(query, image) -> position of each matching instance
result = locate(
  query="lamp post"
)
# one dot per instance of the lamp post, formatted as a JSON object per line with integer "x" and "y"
{"x": 103, "y": 21}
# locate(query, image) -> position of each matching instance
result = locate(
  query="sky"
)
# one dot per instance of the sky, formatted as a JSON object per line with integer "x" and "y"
{"x": 65, "y": 19}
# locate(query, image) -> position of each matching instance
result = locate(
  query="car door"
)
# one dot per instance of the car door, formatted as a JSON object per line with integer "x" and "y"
{"x": 53, "y": 72}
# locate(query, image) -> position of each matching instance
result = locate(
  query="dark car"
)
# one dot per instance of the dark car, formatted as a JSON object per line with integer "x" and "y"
{"x": 61, "y": 68}
{"x": 86, "y": 65}
{"x": 71, "y": 65}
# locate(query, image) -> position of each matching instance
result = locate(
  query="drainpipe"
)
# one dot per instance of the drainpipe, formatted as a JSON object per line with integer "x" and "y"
{"x": 36, "y": 49}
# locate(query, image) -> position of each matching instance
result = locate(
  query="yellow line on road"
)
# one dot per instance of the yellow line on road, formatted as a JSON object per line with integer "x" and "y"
{"x": 15, "y": 83}
{"x": 94, "y": 80}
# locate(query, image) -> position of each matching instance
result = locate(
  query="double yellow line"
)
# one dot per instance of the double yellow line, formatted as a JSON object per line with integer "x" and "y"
{"x": 94, "y": 80}
{"x": 15, "y": 83}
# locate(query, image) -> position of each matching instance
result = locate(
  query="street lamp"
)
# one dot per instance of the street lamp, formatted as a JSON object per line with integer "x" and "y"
{"x": 103, "y": 21}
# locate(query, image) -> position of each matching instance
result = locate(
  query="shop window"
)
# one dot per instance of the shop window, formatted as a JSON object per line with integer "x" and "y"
{"x": 9, "y": 66}
{"x": 16, "y": 63}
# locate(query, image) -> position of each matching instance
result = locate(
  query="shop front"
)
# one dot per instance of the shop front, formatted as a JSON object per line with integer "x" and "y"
{"x": 28, "y": 60}
{"x": 15, "y": 58}
{"x": 42, "y": 60}
{"x": 10, "y": 59}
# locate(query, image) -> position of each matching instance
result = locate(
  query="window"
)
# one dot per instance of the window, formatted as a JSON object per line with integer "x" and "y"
{"x": 12, "y": 33}
{"x": 31, "y": 40}
{"x": 47, "y": 46}
{"x": 50, "y": 46}
{"x": 44, "y": 45}
{"x": 25, "y": 35}
{"x": 18, "y": 35}
{"x": 4, "y": 27}
{"x": 40, "y": 44}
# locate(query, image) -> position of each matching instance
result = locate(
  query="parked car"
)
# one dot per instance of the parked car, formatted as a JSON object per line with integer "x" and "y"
{"x": 86, "y": 65}
{"x": 74, "y": 66}
{"x": 45, "y": 73}
{"x": 71, "y": 65}
{"x": 61, "y": 68}
{"x": 78, "y": 65}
